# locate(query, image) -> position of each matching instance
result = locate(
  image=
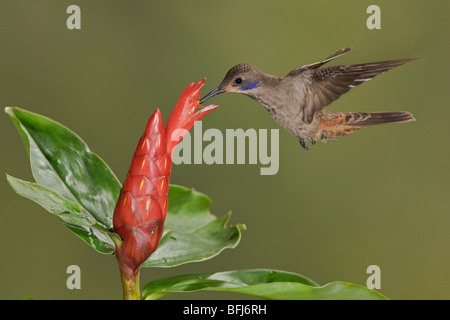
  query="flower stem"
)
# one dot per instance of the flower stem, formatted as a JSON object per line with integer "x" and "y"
{"x": 130, "y": 285}
{"x": 129, "y": 273}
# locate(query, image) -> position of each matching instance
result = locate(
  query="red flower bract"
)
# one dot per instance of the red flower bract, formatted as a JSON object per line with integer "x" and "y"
{"x": 185, "y": 114}
{"x": 141, "y": 209}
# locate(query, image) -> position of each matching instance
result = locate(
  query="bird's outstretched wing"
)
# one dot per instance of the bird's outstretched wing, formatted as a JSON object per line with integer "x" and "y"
{"x": 324, "y": 85}
{"x": 318, "y": 64}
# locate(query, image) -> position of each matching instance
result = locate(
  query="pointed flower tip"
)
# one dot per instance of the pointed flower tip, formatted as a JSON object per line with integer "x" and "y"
{"x": 194, "y": 90}
{"x": 201, "y": 82}
{"x": 185, "y": 112}
{"x": 204, "y": 111}
{"x": 154, "y": 123}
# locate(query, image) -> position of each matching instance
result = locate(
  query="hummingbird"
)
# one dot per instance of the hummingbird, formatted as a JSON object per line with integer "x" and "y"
{"x": 297, "y": 100}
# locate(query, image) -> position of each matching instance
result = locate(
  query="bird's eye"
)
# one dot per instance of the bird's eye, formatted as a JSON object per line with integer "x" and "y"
{"x": 238, "y": 80}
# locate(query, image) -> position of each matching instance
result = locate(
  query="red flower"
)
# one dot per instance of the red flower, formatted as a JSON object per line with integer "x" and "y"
{"x": 185, "y": 114}
{"x": 141, "y": 209}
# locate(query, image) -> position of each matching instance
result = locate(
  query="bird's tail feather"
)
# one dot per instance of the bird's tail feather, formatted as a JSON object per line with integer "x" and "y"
{"x": 374, "y": 118}
{"x": 345, "y": 123}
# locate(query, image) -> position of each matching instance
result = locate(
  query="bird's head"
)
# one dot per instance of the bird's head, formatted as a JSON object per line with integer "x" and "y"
{"x": 242, "y": 78}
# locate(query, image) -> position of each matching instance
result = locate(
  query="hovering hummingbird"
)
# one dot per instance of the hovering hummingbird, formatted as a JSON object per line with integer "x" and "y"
{"x": 297, "y": 100}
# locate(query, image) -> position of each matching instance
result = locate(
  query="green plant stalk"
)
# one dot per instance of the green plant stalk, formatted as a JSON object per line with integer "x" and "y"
{"x": 130, "y": 285}
{"x": 129, "y": 274}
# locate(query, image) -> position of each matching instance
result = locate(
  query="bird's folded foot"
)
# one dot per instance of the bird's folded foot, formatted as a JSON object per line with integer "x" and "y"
{"x": 303, "y": 144}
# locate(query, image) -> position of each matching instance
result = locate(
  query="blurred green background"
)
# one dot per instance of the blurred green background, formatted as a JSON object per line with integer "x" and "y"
{"x": 379, "y": 196}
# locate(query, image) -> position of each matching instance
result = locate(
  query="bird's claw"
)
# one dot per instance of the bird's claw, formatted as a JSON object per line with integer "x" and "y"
{"x": 304, "y": 145}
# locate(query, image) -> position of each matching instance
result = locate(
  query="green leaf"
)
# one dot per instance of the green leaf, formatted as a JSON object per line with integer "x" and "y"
{"x": 263, "y": 283}
{"x": 191, "y": 232}
{"x": 72, "y": 214}
{"x": 62, "y": 162}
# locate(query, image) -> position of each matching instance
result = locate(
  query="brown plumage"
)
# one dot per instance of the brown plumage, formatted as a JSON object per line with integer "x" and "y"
{"x": 297, "y": 100}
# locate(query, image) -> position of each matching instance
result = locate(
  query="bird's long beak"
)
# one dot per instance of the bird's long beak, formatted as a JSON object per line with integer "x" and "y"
{"x": 213, "y": 93}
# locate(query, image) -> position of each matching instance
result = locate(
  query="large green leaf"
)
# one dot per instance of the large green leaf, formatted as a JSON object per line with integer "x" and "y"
{"x": 267, "y": 284}
{"x": 61, "y": 162}
{"x": 191, "y": 232}
{"x": 74, "y": 216}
